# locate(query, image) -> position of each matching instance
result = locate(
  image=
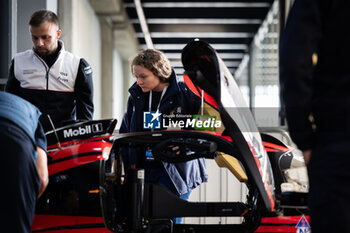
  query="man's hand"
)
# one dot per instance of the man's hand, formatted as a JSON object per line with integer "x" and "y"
{"x": 41, "y": 164}
{"x": 307, "y": 156}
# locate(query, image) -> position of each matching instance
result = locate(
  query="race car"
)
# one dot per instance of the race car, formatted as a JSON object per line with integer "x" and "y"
{"x": 91, "y": 191}
{"x": 262, "y": 162}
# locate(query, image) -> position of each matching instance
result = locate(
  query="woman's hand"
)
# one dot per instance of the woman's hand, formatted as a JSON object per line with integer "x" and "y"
{"x": 175, "y": 148}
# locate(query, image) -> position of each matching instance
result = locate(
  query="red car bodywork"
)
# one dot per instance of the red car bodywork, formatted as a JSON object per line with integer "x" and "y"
{"x": 82, "y": 156}
{"x": 75, "y": 154}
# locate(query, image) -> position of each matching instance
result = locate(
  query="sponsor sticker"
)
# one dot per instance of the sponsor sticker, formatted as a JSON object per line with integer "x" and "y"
{"x": 303, "y": 226}
{"x": 82, "y": 130}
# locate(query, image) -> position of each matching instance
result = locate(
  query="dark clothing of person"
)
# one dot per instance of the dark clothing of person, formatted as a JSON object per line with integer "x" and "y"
{"x": 329, "y": 180}
{"x": 19, "y": 179}
{"x": 59, "y": 88}
{"x": 182, "y": 177}
{"x": 316, "y": 27}
{"x": 155, "y": 100}
{"x": 20, "y": 134}
{"x": 320, "y": 90}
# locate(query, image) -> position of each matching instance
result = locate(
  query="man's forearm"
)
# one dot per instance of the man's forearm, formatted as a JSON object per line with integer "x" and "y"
{"x": 41, "y": 164}
{"x": 307, "y": 156}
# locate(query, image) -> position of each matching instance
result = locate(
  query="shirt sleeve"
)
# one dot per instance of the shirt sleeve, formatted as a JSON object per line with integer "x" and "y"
{"x": 40, "y": 137}
{"x": 299, "y": 41}
{"x": 12, "y": 85}
{"x": 84, "y": 92}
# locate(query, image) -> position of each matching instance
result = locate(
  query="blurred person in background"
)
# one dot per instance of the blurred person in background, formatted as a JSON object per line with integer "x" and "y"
{"x": 316, "y": 93}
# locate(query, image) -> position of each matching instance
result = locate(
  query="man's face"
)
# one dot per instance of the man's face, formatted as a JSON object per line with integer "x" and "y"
{"x": 45, "y": 37}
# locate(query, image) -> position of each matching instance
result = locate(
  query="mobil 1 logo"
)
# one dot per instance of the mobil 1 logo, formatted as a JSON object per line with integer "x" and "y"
{"x": 83, "y": 130}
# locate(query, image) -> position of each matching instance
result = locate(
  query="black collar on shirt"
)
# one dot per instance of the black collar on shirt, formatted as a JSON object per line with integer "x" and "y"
{"x": 51, "y": 58}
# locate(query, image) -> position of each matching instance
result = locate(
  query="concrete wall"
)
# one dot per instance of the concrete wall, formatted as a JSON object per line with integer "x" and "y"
{"x": 118, "y": 44}
{"x": 24, "y": 10}
{"x": 118, "y": 90}
{"x": 52, "y": 5}
{"x": 107, "y": 69}
{"x": 86, "y": 42}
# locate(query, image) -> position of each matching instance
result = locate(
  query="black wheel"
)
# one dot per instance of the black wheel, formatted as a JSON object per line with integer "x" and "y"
{"x": 111, "y": 180}
{"x": 255, "y": 209}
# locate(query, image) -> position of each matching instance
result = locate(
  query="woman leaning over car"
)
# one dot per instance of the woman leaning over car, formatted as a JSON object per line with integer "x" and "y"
{"x": 157, "y": 89}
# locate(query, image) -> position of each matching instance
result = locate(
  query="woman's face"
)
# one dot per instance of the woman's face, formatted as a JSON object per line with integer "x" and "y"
{"x": 146, "y": 79}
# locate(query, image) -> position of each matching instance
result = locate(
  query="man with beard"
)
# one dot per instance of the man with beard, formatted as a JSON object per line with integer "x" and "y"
{"x": 54, "y": 80}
